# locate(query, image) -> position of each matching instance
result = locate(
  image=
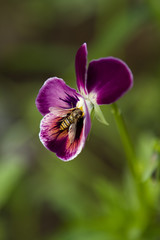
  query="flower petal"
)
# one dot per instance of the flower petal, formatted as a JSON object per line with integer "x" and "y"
{"x": 108, "y": 79}
{"x": 81, "y": 68}
{"x": 55, "y": 93}
{"x": 57, "y": 140}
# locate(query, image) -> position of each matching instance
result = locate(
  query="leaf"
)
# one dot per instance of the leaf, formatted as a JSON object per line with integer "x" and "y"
{"x": 99, "y": 115}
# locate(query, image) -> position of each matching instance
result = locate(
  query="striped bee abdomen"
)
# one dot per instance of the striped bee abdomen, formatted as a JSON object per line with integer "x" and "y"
{"x": 66, "y": 123}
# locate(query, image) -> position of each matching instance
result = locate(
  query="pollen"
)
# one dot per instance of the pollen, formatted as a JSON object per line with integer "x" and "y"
{"x": 81, "y": 108}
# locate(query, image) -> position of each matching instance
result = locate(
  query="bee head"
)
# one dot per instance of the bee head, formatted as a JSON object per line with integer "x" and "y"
{"x": 78, "y": 113}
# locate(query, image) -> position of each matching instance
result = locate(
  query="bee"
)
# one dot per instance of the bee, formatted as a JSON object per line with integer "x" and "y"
{"x": 69, "y": 121}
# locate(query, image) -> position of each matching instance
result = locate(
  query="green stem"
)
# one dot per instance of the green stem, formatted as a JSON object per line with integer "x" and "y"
{"x": 126, "y": 141}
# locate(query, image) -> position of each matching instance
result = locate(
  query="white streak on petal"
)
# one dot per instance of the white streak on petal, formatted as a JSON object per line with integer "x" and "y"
{"x": 93, "y": 97}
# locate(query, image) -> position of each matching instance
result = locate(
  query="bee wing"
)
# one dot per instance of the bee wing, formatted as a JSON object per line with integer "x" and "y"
{"x": 60, "y": 111}
{"x": 72, "y": 132}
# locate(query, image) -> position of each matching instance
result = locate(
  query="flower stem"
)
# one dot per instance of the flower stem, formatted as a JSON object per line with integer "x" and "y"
{"x": 126, "y": 141}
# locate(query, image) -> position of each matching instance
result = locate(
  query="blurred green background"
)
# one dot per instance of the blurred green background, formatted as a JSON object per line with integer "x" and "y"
{"x": 92, "y": 197}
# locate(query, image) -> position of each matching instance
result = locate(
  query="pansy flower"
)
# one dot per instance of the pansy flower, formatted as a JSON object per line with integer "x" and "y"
{"x": 66, "y": 122}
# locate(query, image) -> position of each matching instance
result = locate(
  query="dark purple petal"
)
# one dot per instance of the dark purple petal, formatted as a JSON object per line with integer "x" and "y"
{"x": 58, "y": 141}
{"x": 81, "y": 68}
{"x": 55, "y": 93}
{"x": 108, "y": 79}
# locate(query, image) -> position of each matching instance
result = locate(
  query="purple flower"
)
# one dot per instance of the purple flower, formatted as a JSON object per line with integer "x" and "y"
{"x": 66, "y": 122}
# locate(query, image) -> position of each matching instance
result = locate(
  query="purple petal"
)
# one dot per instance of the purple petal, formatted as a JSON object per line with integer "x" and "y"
{"x": 55, "y": 93}
{"x": 81, "y": 68}
{"x": 58, "y": 141}
{"x": 108, "y": 79}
